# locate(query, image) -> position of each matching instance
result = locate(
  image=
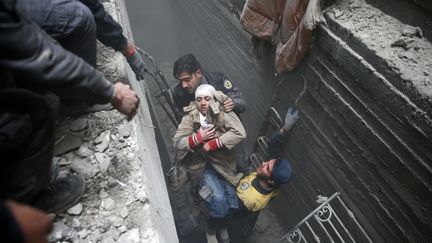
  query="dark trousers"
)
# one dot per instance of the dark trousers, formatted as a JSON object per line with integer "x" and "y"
{"x": 69, "y": 22}
{"x": 26, "y": 144}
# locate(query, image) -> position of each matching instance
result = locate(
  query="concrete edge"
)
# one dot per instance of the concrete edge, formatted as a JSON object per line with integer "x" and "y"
{"x": 148, "y": 153}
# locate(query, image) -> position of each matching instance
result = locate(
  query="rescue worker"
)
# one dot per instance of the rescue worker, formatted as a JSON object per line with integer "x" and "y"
{"x": 211, "y": 133}
{"x": 32, "y": 61}
{"x": 188, "y": 71}
{"x": 255, "y": 190}
{"x": 76, "y": 24}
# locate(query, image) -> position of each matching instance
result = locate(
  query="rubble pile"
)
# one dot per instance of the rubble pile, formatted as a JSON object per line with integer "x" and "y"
{"x": 102, "y": 147}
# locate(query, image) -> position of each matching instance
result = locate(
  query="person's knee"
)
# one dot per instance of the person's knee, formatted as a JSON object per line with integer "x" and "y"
{"x": 83, "y": 19}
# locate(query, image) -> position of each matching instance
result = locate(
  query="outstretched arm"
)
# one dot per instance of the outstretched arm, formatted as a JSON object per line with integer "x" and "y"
{"x": 275, "y": 143}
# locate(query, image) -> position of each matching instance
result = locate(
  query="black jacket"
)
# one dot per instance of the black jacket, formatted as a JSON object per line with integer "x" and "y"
{"x": 219, "y": 82}
{"x": 109, "y": 32}
{"x": 29, "y": 58}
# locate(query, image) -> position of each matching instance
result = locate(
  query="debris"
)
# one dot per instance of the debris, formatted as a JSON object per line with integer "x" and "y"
{"x": 125, "y": 130}
{"x": 103, "y": 194}
{"x": 405, "y": 43}
{"x": 75, "y": 210}
{"x": 78, "y": 125}
{"x": 131, "y": 236}
{"x": 103, "y": 141}
{"x": 64, "y": 161}
{"x": 84, "y": 167}
{"x": 69, "y": 143}
{"x": 124, "y": 212}
{"x": 141, "y": 196}
{"x": 104, "y": 161}
{"x": 107, "y": 204}
{"x": 84, "y": 150}
{"x": 411, "y": 31}
{"x": 60, "y": 232}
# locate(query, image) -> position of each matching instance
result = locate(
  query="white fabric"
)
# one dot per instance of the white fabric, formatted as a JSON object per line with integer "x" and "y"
{"x": 203, "y": 121}
{"x": 205, "y": 90}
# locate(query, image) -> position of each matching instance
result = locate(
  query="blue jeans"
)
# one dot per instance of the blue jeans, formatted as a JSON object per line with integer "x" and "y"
{"x": 219, "y": 194}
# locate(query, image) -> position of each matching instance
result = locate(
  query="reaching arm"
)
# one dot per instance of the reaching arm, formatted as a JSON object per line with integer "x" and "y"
{"x": 275, "y": 143}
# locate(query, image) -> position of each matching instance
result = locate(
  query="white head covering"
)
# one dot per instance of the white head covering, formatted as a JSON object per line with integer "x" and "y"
{"x": 205, "y": 90}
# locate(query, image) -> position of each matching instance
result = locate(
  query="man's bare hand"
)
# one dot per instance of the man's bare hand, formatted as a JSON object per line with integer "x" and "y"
{"x": 228, "y": 105}
{"x": 125, "y": 100}
{"x": 207, "y": 133}
{"x": 35, "y": 224}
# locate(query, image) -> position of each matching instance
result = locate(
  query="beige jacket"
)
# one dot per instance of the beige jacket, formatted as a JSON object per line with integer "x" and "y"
{"x": 229, "y": 129}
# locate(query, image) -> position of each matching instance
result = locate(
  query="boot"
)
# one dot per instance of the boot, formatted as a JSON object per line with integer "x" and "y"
{"x": 211, "y": 236}
{"x": 61, "y": 194}
{"x": 223, "y": 235}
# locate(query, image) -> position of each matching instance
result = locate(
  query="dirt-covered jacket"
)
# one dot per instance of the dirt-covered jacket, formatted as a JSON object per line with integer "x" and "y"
{"x": 228, "y": 128}
{"x": 220, "y": 82}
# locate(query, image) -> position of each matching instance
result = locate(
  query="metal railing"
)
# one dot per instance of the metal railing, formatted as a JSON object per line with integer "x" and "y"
{"x": 324, "y": 225}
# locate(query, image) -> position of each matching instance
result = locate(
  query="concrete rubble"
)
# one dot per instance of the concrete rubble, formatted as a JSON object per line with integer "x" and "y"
{"x": 102, "y": 147}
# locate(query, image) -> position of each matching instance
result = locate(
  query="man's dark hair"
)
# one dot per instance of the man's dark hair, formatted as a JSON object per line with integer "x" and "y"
{"x": 187, "y": 63}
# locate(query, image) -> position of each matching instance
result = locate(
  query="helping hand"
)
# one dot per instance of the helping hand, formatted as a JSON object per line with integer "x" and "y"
{"x": 125, "y": 100}
{"x": 135, "y": 61}
{"x": 228, "y": 105}
{"x": 290, "y": 119}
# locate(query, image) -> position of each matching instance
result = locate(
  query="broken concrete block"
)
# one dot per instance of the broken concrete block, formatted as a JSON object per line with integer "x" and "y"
{"x": 104, "y": 161}
{"x": 68, "y": 143}
{"x": 78, "y": 124}
{"x": 60, "y": 232}
{"x": 103, "y": 194}
{"x": 124, "y": 212}
{"x": 125, "y": 130}
{"x": 131, "y": 236}
{"x": 84, "y": 150}
{"x": 115, "y": 220}
{"x": 84, "y": 167}
{"x": 107, "y": 204}
{"x": 75, "y": 210}
{"x": 103, "y": 141}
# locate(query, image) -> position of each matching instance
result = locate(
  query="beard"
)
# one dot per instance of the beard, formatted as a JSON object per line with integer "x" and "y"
{"x": 262, "y": 177}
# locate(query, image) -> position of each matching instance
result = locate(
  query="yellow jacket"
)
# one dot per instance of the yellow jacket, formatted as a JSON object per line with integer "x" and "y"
{"x": 250, "y": 196}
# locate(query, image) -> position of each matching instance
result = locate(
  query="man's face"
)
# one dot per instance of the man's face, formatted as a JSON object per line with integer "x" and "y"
{"x": 203, "y": 103}
{"x": 190, "y": 81}
{"x": 265, "y": 171}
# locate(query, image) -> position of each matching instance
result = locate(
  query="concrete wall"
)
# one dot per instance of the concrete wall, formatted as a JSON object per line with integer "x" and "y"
{"x": 365, "y": 131}
{"x": 162, "y": 218}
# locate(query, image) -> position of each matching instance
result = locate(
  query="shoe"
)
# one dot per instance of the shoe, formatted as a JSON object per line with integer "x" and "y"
{"x": 61, "y": 195}
{"x": 223, "y": 235}
{"x": 80, "y": 109}
{"x": 211, "y": 236}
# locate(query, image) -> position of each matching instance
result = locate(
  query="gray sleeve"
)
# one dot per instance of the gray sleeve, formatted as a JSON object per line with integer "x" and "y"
{"x": 39, "y": 60}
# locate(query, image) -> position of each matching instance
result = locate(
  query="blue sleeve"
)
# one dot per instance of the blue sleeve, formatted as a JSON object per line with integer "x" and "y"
{"x": 275, "y": 144}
